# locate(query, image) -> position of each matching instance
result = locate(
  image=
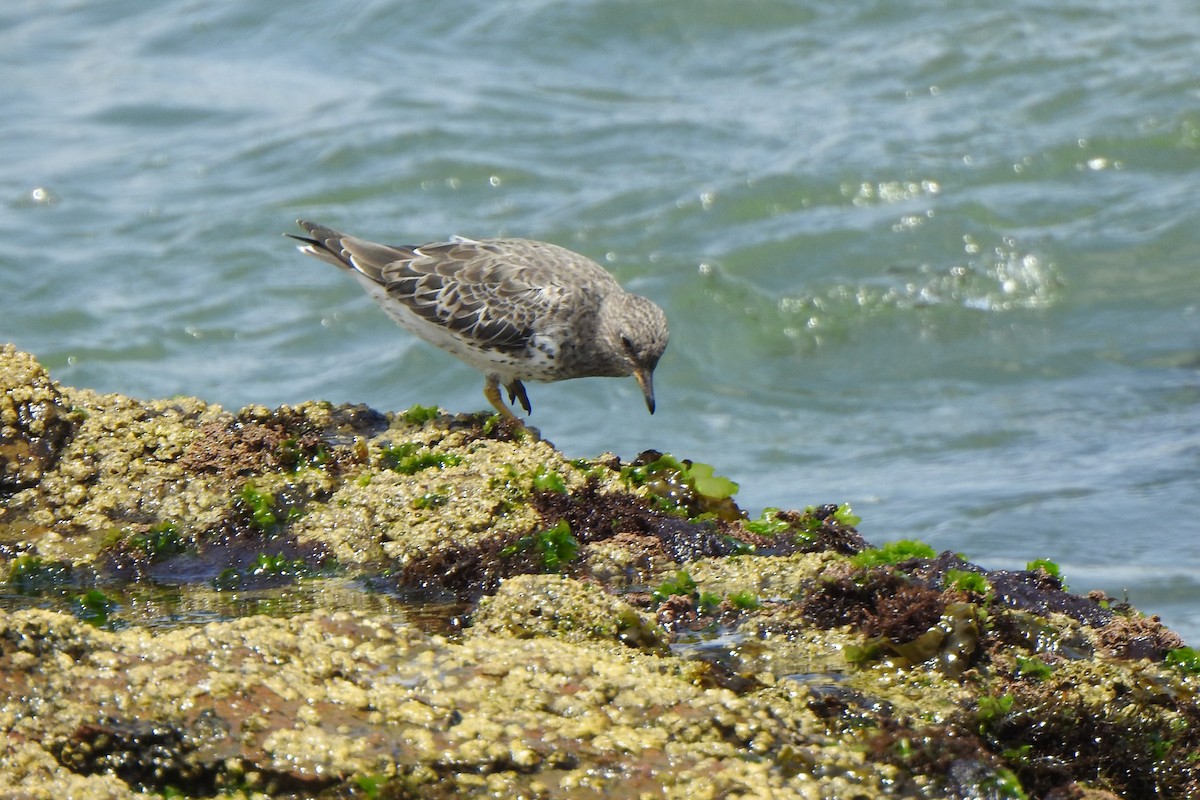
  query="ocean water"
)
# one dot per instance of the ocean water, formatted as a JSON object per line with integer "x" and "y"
{"x": 939, "y": 260}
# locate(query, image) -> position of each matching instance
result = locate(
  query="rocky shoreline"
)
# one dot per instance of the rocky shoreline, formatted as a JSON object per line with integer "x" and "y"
{"x": 483, "y": 617}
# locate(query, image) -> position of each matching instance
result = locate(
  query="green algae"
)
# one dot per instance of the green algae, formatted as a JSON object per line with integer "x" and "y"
{"x": 32, "y": 575}
{"x": 769, "y": 523}
{"x": 1047, "y": 566}
{"x": 967, "y": 581}
{"x": 419, "y": 415}
{"x": 277, "y": 564}
{"x": 1033, "y": 668}
{"x": 777, "y": 531}
{"x": 892, "y": 553}
{"x": 775, "y": 521}
{"x": 680, "y": 583}
{"x": 547, "y": 480}
{"x": 682, "y": 486}
{"x": 744, "y": 601}
{"x": 161, "y": 541}
{"x": 370, "y": 785}
{"x": 1004, "y": 784}
{"x": 1184, "y": 659}
{"x": 410, "y": 457}
{"x": 707, "y": 602}
{"x": 94, "y": 607}
{"x": 261, "y": 506}
{"x": 843, "y": 515}
{"x": 554, "y": 547}
{"x": 708, "y": 484}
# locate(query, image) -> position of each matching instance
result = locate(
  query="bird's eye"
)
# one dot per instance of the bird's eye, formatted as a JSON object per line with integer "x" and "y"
{"x": 625, "y": 340}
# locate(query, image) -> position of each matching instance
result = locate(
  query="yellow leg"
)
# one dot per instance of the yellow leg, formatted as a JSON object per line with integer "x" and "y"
{"x": 491, "y": 390}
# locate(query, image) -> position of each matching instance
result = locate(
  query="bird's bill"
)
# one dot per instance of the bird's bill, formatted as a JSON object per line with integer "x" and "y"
{"x": 645, "y": 380}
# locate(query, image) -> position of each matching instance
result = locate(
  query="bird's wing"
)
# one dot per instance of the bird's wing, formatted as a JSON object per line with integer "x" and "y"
{"x": 495, "y": 291}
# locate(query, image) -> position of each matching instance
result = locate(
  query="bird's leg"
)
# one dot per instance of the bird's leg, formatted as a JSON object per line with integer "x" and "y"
{"x": 516, "y": 391}
{"x": 491, "y": 390}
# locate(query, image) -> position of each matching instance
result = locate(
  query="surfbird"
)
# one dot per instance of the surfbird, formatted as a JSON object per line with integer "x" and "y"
{"x": 514, "y": 309}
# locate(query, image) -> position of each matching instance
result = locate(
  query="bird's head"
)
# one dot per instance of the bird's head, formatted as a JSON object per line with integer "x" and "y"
{"x": 636, "y": 331}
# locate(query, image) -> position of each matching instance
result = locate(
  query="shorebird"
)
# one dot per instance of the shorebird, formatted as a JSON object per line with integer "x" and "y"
{"x": 514, "y": 309}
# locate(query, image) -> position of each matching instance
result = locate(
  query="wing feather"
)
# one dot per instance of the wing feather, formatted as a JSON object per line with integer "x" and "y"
{"x": 495, "y": 292}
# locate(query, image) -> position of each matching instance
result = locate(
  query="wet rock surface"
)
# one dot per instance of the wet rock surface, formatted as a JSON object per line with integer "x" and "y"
{"x": 35, "y": 424}
{"x": 321, "y": 601}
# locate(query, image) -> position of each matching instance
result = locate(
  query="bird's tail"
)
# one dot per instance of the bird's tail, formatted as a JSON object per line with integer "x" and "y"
{"x": 349, "y": 252}
{"x": 323, "y": 243}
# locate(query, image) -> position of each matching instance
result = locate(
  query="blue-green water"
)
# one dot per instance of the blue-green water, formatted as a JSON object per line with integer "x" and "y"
{"x": 937, "y": 259}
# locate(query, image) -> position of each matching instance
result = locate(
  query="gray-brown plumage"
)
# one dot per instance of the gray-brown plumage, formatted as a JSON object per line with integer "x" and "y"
{"x": 514, "y": 309}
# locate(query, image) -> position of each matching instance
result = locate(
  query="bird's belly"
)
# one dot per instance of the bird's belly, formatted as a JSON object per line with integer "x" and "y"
{"x": 534, "y": 363}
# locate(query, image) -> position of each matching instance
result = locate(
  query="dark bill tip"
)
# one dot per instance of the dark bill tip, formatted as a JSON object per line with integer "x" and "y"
{"x": 646, "y": 382}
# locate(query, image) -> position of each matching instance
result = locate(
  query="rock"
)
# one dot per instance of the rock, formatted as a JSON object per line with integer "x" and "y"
{"x": 421, "y": 604}
{"x": 528, "y": 606}
{"x": 34, "y": 423}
